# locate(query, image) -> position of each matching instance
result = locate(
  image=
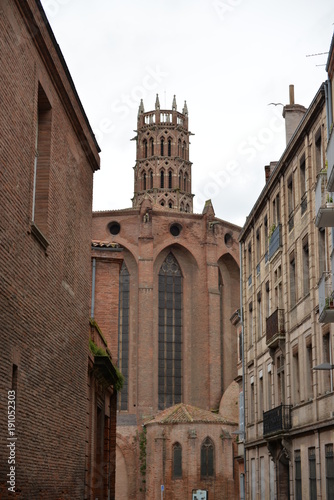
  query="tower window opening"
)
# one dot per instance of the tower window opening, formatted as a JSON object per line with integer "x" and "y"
{"x": 170, "y": 179}
{"x": 169, "y": 147}
{"x": 152, "y": 146}
{"x": 144, "y": 181}
{"x": 179, "y": 148}
{"x": 180, "y": 180}
{"x": 151, "y": 179}
{"x": 183, "y": 150}
{"x": 162, "y": 203}
{"x": 162, "y": 146}
{"x": 145, "y": 148}
{"x": 170, "y": 204}
{"x": 162, "y": 179}
{"x": 181, "y": 207}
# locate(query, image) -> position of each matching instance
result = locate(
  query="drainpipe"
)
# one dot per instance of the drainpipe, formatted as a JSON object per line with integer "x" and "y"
{"x": 327, "y": 108}
{"x": 330, "y": 104}
{"x": 243, "y": 368}
{"x": 93, "y": 289}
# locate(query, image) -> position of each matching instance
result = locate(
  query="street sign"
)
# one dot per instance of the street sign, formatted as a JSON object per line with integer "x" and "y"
{"x": 162, "y": 487}
{"x": 200, "y": 495}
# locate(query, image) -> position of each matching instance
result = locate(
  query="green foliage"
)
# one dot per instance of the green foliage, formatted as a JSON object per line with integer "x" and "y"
{"x": 97, "y": 351}
{"x": 271, "y": 231}
{"x": 120, "y": 380}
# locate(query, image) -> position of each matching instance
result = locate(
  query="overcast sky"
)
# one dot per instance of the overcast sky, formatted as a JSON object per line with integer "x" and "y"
{"x": 227, "y": 58}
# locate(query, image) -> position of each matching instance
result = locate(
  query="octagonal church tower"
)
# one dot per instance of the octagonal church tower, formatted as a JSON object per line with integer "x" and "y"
{"x": 163, "y": 170}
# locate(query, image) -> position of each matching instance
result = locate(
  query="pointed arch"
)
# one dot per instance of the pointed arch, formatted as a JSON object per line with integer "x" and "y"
{"x": 180, "y": 179}
{"x": 185, "y": 181}
{"x": 170, "y": 204}
{"x": 170, "y": 179}
{"x": 169, "y": 143}
{"x": 151, "y": 146}
{"x": 181, "y": 207}
{"x": 150, "y": 175}
{"x": 207, "y": 458}
{"x": 145, "y": 147}
{"x": 162, "y": 146}
{"x": 187, "y": 208}
{"x": 123, "y": 333}
{"x": 144, "y": 181}
{"x": 170, "y": 333}
{"x": 162, "y": 178}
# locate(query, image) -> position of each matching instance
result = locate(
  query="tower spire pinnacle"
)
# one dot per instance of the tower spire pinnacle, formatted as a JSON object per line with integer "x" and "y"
{"x": 185, "y": 108}
{"x": 174, "y": 107}
{"x": 141, "y": 109}
{"x": 157, "y": 102}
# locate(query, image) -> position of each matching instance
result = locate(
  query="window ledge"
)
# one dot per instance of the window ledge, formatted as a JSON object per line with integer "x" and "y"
{"x": 37, "y": 233}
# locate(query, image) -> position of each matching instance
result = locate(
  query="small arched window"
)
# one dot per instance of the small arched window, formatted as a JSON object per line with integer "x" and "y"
{"x": 207, "y": 459}
{"x": 152, "y": 146}
{"x": 162, "y": 203}
{"x": 187, "y": 208}
{"x": 177, "y": 461}
{"x": 185, "y": 182}
{"x": 170, "y": 204}
{"x": 162, "y": 178}
{"x": 144, "y": 181}
{"x": 145, "y": 148}
{"x": 162, "y": 146}
{"x": 181, "y": 207}
{"x": 180, "y": 179}
{"x": 151, "y": 179}
{"x": 184, "y": 150}
{"x": 170, "y": 179}
{"x": 169, "y": 147}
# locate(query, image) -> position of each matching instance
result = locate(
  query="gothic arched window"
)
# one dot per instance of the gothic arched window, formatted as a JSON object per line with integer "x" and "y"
{"x": 152, "y": 146}
{"x": 162, "y": 146}
{"x": 151, "y": 179}
{"x": 145, "y": 148}
{"x": 179, "y": 148}
{"x": 170, "y": 204}
{"x": 207, "y": 459}
{"x": 170, "y": 179}
{"x": 144, "y": 181}
{"x": 170, "y": 333}
{"x": 162, "y": 178}
{"x": 123, "y": 334}
{"x": 169, "y": 147}
{"x": 177, "y": 461}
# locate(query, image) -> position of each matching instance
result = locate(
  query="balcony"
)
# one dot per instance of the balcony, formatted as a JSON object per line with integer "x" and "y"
{"x": 275, "y": 242}
{"x": 326, "y": 299}
{"x": 277, "y": 420}
{"x": 275, "y": 330}
{"x": 330, "y": 160}
{"x": 324, "y": 211}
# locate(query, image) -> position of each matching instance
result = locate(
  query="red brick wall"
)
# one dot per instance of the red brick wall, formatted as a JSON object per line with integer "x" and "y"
{"x": 44, "y": 306}
{"x": 209, "y": 344}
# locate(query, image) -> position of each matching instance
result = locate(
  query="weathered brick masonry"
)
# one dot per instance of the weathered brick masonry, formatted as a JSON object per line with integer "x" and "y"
{"x": 45, "y": 237}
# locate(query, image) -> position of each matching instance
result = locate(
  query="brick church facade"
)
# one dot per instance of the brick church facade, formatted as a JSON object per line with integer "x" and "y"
{"x": 165, "y": 284}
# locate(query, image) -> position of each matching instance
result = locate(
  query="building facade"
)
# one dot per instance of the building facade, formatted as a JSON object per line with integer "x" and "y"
{"x": 50, "y": 444}
{"x": 164, "y": 301}
{"x": 285, "y": 249}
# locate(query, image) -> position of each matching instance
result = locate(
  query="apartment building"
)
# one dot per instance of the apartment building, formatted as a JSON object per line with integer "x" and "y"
{"x": 286, "y": 247}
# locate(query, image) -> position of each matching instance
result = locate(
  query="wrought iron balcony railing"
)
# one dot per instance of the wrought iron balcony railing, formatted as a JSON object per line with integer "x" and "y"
{"x": 275, "y": 330}
{"x": 324, "y": 207}
{"x": 326, "y": 298}
{"x": 330, "y": 160}
{"x": 277, "y": 420}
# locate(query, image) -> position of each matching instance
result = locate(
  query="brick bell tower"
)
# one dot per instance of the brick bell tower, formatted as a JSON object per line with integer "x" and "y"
{"x": 163, "y": 170}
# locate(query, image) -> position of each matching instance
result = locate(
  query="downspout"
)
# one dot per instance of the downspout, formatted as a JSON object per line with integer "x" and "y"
{"x": 327, "y": 93}
{"x": 243, "y": 367}
{"x": 93, "y": 289}
{"x": 330, "y": 104}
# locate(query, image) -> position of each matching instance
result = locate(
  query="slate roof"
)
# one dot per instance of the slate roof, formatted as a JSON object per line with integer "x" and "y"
{"x": 182, "y": 414}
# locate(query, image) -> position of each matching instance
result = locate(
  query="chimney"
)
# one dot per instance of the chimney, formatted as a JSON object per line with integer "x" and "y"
{"x": 293, "y": 113}
{"x": 268, "y": 169}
